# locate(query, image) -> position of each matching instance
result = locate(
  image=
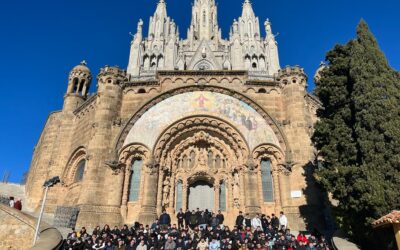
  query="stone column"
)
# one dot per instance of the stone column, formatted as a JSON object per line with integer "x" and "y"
{"x": 217, "y": 188}
{"x": 159, "y": 191}
{"x": 185, "y": 195}
{"x": 252, "y": 201}
{"x": 277, "y": 190}
{"x": 124, "y": 207}
{"x": 171, "y": 207}
{"x": 148, "y": 211}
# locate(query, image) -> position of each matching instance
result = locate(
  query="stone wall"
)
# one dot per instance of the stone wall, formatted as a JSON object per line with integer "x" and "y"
{"x": 16, "y": 229}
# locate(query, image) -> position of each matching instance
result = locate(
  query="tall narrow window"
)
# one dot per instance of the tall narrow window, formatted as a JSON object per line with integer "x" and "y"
{"x": 204, "y": 18}
{"x": 222, "y": 197}
{"x": 80, "y": 171}
{"x": 179, "y": 194}
{"x": 134, "y": 184}
{"x": 267, "y": 181}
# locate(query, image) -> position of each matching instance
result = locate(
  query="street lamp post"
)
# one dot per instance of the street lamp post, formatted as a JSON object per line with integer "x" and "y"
{"x": 49, "y": 183}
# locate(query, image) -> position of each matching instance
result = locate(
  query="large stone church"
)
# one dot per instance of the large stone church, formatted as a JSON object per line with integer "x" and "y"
{"x": 201, "y": 122}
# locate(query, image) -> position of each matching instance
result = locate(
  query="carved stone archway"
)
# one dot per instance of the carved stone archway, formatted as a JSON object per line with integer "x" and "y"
{"x": 200, "y": 148}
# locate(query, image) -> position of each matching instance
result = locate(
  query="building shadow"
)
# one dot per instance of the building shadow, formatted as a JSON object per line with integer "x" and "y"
{"x": 316, "y": 214}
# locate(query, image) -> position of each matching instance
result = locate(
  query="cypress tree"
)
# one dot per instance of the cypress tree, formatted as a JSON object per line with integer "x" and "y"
{"x": 358, "y": 133}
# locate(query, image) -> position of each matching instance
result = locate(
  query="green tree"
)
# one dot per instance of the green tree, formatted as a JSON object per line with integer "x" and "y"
{"x": 358, "y": 133}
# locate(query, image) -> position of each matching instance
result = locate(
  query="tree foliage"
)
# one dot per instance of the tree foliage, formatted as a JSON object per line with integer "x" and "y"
{"x": 358, "y": 134}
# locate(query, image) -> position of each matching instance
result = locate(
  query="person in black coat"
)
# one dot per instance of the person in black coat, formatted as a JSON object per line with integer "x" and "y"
{"x": 220, "y": 217}
{"x": 165, "y": 220}
{"x": 275, "y": 221}
{"x": 239, "y": 220}
{"x": 187, "y": 217}
{"x": 181, "y": 217}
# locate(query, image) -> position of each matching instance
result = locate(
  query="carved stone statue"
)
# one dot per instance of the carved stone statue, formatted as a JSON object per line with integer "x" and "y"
{"x": 236, "y": 190}
{"x": 203, "y": 158}
{"x": 166, "y": 188}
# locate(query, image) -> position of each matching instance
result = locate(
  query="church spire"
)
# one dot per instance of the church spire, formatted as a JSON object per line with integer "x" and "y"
{"x": 158, "y": 22}
{"x": 248, "y": 23}
{"x": 204, "y": 20}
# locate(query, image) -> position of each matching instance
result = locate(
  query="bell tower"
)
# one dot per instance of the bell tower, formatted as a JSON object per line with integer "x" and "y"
{"x": 79, "y": 81}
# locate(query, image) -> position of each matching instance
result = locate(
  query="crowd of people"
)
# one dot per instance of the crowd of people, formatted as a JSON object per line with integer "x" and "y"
{"x": 197, "y": 230}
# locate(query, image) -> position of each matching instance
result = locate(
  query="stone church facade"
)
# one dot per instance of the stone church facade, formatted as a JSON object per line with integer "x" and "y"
{"x": 196, "y": 122}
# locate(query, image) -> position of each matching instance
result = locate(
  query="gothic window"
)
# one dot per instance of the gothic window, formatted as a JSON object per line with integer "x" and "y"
{"x": 192, "y": 159}
{"x": 222, "y": 197}
{"x": 179, "y": 193}
{"x": 80, "y": 171}
{"x": 134, "y": 183}
{"x": 210, "y": 159}
{"x": 266, "y": 176}
{"x": 160, "y": 61}
{"x": 204, "y": 18}
{"x": 146, "y": 62}
{"x": 218, "y": 161}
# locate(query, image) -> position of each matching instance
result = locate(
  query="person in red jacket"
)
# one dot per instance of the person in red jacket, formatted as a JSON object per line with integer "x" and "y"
{"x": 18, "y": 205}
{"x": 301, "y": 237}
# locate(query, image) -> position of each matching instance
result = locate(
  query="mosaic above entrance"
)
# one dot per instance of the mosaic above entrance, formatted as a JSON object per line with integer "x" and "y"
{"x": 251, "y": 124}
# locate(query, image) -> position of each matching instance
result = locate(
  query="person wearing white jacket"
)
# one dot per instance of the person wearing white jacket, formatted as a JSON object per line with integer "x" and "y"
{"x": 256, "y": 222}
{"x": 283, "y": 221}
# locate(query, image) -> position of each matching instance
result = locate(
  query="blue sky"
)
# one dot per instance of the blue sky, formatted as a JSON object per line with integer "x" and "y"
{"x": 42, "y": 40}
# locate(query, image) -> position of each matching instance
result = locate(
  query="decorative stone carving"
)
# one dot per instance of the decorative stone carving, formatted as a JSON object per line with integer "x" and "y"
{"x": 166, "y": 189}
{"x": 115, "y": 166}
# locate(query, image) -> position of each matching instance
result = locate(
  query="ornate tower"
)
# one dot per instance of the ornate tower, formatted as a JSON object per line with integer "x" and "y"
{"x": 157, "y": 52}
{"x": 79, "y": 82}
{"x": 204, "y": 24}
{"x": 108, "y": 104}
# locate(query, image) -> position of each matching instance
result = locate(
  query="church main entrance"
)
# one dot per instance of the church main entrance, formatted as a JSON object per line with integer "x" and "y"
{"x": 201, "y": 195}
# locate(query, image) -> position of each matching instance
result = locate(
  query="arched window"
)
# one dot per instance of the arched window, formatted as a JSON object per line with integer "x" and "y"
{"x": 134, "y": 183}
{"x": 81, "y": 85}
{"x": 75, "y": 83}
{"x": 179, "y": 192}
{"x": 262, "y": 90}
{"x": 204, "y": 18}
{"x": 80, "y": 171}
{"x": 266, "y": 176}
{"x": 222, "y": 197}
{"x": 254, "y": 65}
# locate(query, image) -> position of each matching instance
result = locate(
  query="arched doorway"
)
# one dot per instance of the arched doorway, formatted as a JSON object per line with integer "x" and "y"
{"x": 201, "y": 195}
